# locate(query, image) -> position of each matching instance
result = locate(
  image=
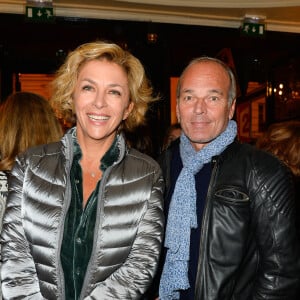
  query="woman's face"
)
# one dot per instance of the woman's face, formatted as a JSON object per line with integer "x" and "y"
{"x": 101, "y": 101}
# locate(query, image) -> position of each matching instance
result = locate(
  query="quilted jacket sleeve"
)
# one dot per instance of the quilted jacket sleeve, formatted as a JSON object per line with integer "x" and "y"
{"x": 132, "y": 279}
{"x": 18, "y": 273}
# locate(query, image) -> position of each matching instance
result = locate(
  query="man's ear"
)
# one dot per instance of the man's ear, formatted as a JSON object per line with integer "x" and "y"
{"x": 177, "y": 112}
{"x": 232, "y": 109}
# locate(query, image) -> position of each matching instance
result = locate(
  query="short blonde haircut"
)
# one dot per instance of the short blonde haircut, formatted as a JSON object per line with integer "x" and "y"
{"x": 66, "y": 79}
{"x": 283, "y": 141}
{"x": 26, "y": 120}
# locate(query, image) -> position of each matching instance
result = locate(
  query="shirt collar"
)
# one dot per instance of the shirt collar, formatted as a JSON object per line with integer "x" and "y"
{"x": 109, "y": 157}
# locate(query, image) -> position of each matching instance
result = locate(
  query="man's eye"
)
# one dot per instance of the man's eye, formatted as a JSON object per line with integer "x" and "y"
{"x": 187, "y": 98}
{"x": 213, "y": 98}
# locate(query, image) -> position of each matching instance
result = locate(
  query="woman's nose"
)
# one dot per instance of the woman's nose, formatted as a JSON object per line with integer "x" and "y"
{"x": 100, "y": 99}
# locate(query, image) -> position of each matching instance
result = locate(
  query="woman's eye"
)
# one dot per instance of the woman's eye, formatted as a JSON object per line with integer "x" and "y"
{"x": 87, "y": 87}
{"x": 115, "y": 92}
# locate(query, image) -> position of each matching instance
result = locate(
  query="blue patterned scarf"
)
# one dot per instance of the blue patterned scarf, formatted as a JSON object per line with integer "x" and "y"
{"x": 182, "y": 212}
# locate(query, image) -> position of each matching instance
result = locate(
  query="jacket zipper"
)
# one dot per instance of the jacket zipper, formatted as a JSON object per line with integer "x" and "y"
{"x": 203, "y": 223}
{"x": 98, "y": 224}
{"x": 61, "y": 278}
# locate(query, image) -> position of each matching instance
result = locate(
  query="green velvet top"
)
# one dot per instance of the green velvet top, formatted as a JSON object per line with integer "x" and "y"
{"x": 79, "y": 225}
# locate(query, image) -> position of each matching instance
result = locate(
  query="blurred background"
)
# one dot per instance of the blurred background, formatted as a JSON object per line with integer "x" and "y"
{"x": 260, "y": 40}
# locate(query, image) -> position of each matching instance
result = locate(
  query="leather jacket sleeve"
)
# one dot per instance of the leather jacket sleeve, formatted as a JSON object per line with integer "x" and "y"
{"x": 256, "y": 238}
{"x": 275, "y": 231}
{"x": 18, "y": 273}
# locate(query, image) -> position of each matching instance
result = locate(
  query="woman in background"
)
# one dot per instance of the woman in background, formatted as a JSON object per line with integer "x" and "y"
{"x": 84, "y": 216}
{"x": 26, "y": 120}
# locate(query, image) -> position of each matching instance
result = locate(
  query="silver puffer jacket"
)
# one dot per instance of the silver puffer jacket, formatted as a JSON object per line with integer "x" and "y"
{"x": 128, "y": 229}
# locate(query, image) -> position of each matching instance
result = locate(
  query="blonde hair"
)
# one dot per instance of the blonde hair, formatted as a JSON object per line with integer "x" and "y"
{"x": 26, "y": 120}
{"x": 67, "y": 75}
{"x": 283, "y": 141}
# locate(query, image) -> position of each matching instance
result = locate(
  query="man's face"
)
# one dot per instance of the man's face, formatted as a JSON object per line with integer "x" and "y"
{"x": 202, "y": 108}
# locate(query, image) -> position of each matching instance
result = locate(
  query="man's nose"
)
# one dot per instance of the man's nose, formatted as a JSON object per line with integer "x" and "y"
{"x": 200, "y": 106}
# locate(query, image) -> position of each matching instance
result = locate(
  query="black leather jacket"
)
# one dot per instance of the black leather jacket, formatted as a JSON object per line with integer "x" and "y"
{"x": 248, "y": 246}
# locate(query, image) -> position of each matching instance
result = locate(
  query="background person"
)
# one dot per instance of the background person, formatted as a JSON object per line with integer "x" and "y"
{"x": 140, "y": 139}
{"x": 84, "y": 215}
{"x": 26, "y": 120}
{"x": 229, "y": 206}
{"x": 173, "y": 132}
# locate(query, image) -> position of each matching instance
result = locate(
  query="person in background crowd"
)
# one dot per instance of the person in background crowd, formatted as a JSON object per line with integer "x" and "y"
{"x": 140, "y": 139}
{"x": 173, "y": 132}
{"x": 229, "y": 206}
{"x": 84, "y": 216}
{"x": 26, "y": 120}
{"x": 283, "y": 140}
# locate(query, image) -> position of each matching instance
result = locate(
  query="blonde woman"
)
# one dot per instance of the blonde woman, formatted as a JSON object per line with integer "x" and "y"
{"x": 84, "y": 219}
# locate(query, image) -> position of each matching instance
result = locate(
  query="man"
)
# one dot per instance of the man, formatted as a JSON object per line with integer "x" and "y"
{"x": 230, "y": 230}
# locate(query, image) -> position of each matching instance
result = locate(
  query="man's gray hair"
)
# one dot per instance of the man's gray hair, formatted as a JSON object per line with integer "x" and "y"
{"x": 232, "y": 88}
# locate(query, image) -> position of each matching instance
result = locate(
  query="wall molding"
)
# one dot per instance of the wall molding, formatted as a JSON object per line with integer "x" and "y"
{"x": 151, "y": 15}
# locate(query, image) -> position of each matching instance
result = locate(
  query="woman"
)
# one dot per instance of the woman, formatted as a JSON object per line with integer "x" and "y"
{"x": 26, "y": 120}
{"x": 84, "y": 217}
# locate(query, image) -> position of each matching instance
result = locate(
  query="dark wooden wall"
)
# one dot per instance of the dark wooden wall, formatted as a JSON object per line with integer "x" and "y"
{"x": 28, "y": 47}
